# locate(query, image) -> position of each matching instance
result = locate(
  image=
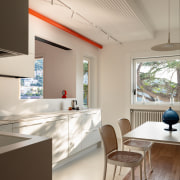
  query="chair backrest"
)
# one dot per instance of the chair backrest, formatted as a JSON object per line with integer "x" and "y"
{"x": 109, "y": 138}
{"x": 125, "y": 127}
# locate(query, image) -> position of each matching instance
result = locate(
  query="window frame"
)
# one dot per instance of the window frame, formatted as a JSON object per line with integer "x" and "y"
{"x": 134, "y": 78}
{"x": 89, "y": 101}
{"x": 36, "y": 59}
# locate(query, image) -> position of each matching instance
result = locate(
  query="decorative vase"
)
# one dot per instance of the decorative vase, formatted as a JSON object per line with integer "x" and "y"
{"x": 170, "y": 117}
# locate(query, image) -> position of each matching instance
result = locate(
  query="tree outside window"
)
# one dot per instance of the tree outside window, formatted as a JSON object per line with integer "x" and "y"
{"x": 158, "y": 80}
{"x": 85, "y": 82}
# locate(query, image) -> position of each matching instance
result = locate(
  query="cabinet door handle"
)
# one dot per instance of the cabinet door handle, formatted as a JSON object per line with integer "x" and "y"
{"x": 28, "y": 125}
{"x": 71, "y": 144}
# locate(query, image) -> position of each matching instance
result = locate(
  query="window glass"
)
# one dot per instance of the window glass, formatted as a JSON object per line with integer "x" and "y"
{"x": 157, "y": 80}
{"x": 32, "y": 88}
{"x": 85, "y": 82}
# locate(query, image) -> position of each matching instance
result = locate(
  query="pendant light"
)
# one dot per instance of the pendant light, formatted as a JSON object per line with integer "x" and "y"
{"x": 168, "y": 46}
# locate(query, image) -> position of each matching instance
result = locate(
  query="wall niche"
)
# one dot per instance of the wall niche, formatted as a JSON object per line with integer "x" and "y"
{"x": 59, "y": 68}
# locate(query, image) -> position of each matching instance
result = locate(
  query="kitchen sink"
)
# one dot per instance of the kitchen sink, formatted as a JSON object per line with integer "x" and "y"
{"x": 7, "y": 139}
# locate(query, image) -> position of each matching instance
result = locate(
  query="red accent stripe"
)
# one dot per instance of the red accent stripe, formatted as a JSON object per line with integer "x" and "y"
{"x": 60, "y": 26}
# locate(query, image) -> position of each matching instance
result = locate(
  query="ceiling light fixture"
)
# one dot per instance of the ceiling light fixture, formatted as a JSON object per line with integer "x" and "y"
{"x": 89, "y": 22}
{"x": 168, "y": 46}
{"x": 72, "y": 14}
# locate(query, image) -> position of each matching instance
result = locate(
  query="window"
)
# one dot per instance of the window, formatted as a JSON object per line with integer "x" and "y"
{"x": 85, "y": 82}
{"x": 32, "y": 88}
{"x": 156, "y": 80}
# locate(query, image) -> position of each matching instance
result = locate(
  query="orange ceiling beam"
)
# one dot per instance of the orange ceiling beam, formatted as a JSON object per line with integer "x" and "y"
{"x": 64, "y": 28}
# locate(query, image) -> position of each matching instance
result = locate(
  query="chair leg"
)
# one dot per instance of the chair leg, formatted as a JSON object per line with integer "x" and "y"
{"x": 132, "y": 173}
{"x": 114, "y": 172}
{"x": 105, "y": 169}
{"x": 145, "y": 176}
{"x": 122, "y": 148}
{"x": 140, "y": 167}
{"x": 149, "y": 153}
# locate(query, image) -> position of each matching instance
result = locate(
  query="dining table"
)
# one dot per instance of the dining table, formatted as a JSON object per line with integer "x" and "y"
{"x": 155, "y": 132}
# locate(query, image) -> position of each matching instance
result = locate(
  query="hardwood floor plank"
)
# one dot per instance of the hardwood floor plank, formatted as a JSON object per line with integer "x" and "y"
{"x": 165, "y": 163}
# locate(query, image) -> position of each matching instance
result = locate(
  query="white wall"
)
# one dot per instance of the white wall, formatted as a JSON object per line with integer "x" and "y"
{"x": 58, "y": 69}
{"x": 9, "y": 88}
{"x": 115, "y": 76}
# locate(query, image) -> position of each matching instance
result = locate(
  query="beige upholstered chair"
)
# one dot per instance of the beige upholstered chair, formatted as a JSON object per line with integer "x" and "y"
{"x": 115, "y": 157}
{"x": 133, "y": 144}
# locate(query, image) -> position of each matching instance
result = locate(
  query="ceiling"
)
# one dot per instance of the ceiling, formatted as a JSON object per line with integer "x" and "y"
{"x": 112, "y": 21}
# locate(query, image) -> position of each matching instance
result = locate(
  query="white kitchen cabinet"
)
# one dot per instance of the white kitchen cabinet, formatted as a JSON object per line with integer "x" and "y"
{"x": 60, "y": 139}
{"x": 49, "y": 130}
{"x": 90, "y": 137}
{"x": 6, "y": 128}
{"x": 75, "y": 133}
{"x": 54, "y": 127}
{"x": 31, "y": 126}
{"x": 71, "y": 133}
{"x": 37, "y": 129}
{"x": 90, "y": 123}
{"x": 84, "y": 130}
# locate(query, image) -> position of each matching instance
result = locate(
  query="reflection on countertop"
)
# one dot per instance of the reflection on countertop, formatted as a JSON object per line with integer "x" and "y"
{"x": 20, "y": 118}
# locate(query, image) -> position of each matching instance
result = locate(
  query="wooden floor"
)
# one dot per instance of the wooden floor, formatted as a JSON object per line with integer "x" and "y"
{"x": 165, "y": 163}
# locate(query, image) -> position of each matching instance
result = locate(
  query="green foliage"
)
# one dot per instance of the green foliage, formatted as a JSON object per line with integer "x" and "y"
{"x": 29, "y": 93}
{"x": 149, "y": 80}
{"x": 85, "y": 67}
{"x": 85, "y": 94}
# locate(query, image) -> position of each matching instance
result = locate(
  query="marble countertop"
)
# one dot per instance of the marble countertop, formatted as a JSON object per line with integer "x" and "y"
{"x": 20, "y": 118}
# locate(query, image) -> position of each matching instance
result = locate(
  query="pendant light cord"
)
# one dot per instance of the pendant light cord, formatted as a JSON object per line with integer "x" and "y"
{"x": 169, "y": 21}
{"x": 169, "y": 46}
{"x": 179, "y": 21}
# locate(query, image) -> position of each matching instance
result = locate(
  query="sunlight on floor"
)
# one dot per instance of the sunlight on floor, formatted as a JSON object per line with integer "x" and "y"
{"x": 88, "y": 167}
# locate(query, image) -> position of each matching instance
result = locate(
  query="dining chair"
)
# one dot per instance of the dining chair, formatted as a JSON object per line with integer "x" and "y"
{"x": 115, "y": 157}
{"x": 132, "y": 144}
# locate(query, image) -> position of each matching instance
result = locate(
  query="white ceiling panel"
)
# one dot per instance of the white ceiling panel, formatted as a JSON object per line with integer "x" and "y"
{"x": 105, "y": 20}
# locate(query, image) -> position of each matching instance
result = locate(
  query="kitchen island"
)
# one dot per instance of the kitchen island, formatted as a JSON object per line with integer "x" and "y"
{"x": 72, "y": 132}
{"x": 25, "y": 157}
